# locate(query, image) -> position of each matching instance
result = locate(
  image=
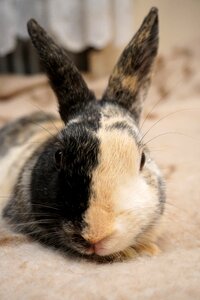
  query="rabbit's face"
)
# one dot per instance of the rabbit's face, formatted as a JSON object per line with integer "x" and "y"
{"x": 95, "y": 181}
{"x": 108, "y": 193}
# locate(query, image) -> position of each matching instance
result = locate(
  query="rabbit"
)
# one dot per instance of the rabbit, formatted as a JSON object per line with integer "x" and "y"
{"x": 89, "y": 189}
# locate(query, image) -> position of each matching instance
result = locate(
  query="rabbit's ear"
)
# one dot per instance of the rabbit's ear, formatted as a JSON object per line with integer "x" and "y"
{"x": 129, "y": 82}
{"x": 71, "y": 90}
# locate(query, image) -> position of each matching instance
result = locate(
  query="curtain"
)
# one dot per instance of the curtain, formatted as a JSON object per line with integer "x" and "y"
{"x": 76, "y": 24}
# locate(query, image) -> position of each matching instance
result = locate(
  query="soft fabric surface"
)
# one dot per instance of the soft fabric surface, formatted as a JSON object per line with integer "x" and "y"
{"x": 30, "y": 271}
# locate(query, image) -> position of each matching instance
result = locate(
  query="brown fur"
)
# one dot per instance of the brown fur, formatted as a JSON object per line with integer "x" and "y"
{"x": 129, "y": 82}
{"x": 12, "y": 240}
{"x": 112, "y": 170}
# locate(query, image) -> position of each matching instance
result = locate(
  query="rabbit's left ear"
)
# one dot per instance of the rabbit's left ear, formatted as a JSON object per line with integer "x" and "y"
{"x": 68, "y": 84}
{"x": 130, "y": 79}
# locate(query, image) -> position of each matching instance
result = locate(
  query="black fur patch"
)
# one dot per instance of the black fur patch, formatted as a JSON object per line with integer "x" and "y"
{"x": 68, "y": 84}
{"x": 91, "y": 116}
{"x": 123, "y": 96}
{"x": 122, "y": 126}
{"x": 67, "y": 190}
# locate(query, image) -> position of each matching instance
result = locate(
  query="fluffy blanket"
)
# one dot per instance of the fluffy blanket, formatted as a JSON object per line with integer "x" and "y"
{"x": 172, "y": 128}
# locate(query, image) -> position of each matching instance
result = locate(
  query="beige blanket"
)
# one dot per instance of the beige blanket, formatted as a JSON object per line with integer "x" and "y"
{"x": 29, "y": 271}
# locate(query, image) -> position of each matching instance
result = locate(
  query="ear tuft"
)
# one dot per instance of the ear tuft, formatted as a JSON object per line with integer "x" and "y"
{"x": 69, "y": 86}
{"x": 130, "y": 79}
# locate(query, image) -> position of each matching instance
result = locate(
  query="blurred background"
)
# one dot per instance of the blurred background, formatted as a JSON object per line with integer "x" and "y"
{"x": 94, "y": 32}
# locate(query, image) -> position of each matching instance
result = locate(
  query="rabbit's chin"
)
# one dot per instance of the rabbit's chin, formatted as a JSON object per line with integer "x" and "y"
{"x": 130, "y": 253}
{"x": 126, "y": 254}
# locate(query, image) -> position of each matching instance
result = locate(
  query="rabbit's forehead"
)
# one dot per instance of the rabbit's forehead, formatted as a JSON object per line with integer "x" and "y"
{"x": 118, "y": 151}
{"x": 118, "y": 163}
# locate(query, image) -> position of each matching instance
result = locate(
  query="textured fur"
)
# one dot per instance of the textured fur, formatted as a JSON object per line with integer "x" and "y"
{"x": 68, "y": 84}
{"x": 85, "y": 189}
{"x": 130, "y": 79}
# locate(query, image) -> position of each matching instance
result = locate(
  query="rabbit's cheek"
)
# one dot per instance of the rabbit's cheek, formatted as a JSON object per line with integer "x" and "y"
{"x": 129, "y": 211}
{"x": 136, "y": 203}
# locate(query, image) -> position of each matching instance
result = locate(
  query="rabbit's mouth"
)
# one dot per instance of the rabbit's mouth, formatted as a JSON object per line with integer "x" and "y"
{"x": 126, "y": 254}
{"x": 97, "y": 253}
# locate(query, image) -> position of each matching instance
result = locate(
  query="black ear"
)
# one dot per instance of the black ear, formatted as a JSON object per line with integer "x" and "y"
{"x": 129, "y": 82}
{"x": 71, "y": 90}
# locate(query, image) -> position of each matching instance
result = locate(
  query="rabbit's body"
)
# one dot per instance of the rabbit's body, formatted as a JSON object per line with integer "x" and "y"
{"x": 88, "y": 186}
{"x": 18, "y": 140}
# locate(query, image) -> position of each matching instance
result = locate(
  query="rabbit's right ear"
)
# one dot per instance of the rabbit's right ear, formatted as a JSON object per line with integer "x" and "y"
{"x": 71, "y": 90}
{"x": 131, "y": 76}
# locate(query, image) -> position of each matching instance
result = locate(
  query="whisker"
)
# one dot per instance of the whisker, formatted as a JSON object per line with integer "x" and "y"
{"x": 39, "y": 125}
{"x": 168, "y": 211}
{"x": 50, "y": 133}
{"x": 46, "y": 206}
{"x": 170, "y": 132}
{"x": 44, "y": 221}
{"x": 180, "y": 81}
{"x": 41, "y": 110}
{"x": 37, "y": 214}
{"x": 164, "y": 117}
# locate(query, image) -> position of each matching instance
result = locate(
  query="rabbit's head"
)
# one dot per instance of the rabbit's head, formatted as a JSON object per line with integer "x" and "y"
{"x": 96, "y": 177}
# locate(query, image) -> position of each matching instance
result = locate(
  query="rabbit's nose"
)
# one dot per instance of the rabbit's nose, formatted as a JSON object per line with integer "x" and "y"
{"x": 97, "y": 247}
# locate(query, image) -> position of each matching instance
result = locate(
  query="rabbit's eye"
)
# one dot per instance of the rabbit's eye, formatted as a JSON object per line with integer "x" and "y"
{"x": 58, "y": 159}
{"x": 142, "y": 161}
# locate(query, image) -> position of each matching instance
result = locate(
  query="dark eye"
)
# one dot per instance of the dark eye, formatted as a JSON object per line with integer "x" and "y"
{"x": 142, "y": 162}
{"x": 58, "y": 159}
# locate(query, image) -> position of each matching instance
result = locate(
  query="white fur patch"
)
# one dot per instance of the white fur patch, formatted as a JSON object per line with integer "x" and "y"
{"x": 12, "y": 163}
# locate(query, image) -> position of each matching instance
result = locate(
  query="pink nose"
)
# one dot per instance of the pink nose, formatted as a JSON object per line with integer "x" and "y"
{"x": 97, "y": 247}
